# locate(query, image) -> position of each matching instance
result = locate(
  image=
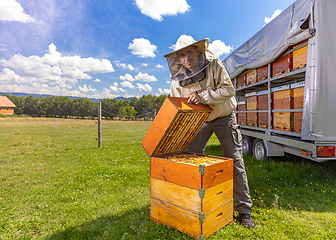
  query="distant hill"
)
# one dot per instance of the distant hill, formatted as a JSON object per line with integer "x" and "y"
{"x": 46, "y": 95}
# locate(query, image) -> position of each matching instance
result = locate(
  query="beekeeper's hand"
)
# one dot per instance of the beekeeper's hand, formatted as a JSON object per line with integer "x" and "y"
{"x": 194, "y": 98}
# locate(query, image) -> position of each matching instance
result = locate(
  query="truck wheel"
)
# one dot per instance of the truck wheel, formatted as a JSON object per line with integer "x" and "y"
{"x": 259, "y": 150}
{"x": 247, "y": 145}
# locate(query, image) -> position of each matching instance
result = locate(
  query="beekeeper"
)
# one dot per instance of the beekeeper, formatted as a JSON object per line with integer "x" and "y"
{"x": 200, "y": 76}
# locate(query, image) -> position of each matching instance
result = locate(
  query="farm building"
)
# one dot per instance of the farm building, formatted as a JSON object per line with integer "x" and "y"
{"x": 6, "y": 106}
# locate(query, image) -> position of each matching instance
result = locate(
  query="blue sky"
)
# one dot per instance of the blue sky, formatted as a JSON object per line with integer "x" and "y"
{"x": 111, "y": 48}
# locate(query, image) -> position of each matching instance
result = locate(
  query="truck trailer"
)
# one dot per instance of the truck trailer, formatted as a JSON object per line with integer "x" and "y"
{"x": 285, "y": 81}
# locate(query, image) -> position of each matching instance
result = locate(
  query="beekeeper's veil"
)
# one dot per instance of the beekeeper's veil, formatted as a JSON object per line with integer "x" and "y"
{"x": 181, "y": 73}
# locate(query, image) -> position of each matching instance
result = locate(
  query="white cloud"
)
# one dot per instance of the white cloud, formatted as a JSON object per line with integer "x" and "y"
{"x": 275, "y": 14}
{"x": 168, "y": 82}
{"x": 144, "y": 64}
{"x": 124, "y": 65}
{"x": 142, "y": 48}
{"x": 90, "y": 64}
{"x": 143, "y": 87}
{"x": 53, "y": 68}
{"x": 97, "y": 80}
{"x": 114, "y": 89}
{"x": 159, "y": 66}
{"x": 115, "y": 84}
{"x": 127, "y": 84}
{"x": 158, "y": 8}
{"x": 86, "y": 89}
{"x": 127, "y": 77}
{"x": 162, "y": 92}
{"x": 219, "y": 48}
{"x": 145, "y": 77}
{"x": 11, "y": 10}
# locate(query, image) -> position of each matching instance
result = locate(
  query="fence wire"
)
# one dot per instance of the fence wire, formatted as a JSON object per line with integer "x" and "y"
{"x": 127, "y": 131}
{"x": 136, "y": 116}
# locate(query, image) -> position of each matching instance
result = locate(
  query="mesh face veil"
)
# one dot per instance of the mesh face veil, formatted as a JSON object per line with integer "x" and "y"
{"x": 187, "y": 64}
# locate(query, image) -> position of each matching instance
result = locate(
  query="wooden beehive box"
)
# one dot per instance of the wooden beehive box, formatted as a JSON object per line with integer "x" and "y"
{"x": 251, "y": 77}
{"x": 262, "y": 73}
{"x": 300, "y": 56}
{"x": 297, "y": 122}
{"x": 241, "y": 116}
{"x": 282, "y": 65}
{"x": 191, "y": 192}
{"x": 283, "y": 121}
{"x": 298, "y": 98}
{"x": 262, "y": 104}
{"x": 298, "y": 94}
{"x": 251, "y": 101}
{"x": 252, "y": 119}
{"x": 282, "y": 97}
{"x": 262, "y": 100}
{"x": 241, "y": 80}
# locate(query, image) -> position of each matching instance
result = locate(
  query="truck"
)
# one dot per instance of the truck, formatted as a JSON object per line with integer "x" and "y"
{"x": 285, "y": 82}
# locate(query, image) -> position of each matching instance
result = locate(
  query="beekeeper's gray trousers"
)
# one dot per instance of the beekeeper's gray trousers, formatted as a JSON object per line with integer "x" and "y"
{"x": 228, "y": 133}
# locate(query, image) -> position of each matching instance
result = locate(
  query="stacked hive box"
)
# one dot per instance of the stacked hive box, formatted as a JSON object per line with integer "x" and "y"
{"x": 191, "y": 192}
{"x": 262, "y": 104}
{"x": 251, "y": 77}
{"x": 282, "y": 99}
{"x": 241, "y": 80}
{"x": 262, "y": 73}
{"x": 300, "y": 55}
{"x": 241, "y": 116}
{"x": 282, "y": 65}
{"x": 251, "y": 105}
{"x": 298, "y": 96}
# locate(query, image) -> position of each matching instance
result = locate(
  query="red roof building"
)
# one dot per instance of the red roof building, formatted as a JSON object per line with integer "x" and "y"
{"x": 6, "y": 106}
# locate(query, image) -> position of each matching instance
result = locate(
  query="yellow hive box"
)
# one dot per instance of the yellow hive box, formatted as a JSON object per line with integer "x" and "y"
{"x": 300, "y": 56}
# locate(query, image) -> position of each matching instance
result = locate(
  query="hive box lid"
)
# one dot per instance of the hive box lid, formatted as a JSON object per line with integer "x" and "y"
{"x": 175, "y": 126}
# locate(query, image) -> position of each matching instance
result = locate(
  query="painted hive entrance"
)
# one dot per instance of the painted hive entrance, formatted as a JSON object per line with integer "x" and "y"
{"x": 191, "y": 192}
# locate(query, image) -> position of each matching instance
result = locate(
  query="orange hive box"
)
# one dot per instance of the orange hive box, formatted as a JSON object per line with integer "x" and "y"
{"x": 241, "y": 116}
{"x": 241, "y": 80}
{"x": 262, "y": 100}
{"x": 282, "y": 65}
{"x": 251, "y": 77}
{"x": 251, "y": 117}
{"x": 190, "y": 192}
{"x": 283, "y": 121}
{"x": 282, "y": 97}
{"x": 298, "y": 98}
{"x": 262, "y": 73}
{"x": 300, "y": 56}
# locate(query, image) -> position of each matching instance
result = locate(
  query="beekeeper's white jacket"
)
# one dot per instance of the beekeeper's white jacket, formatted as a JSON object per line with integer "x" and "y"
{"x": 216, "y": 90}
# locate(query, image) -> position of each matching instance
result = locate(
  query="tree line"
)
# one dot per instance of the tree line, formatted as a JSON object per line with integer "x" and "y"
{"x": 65, "y": 107}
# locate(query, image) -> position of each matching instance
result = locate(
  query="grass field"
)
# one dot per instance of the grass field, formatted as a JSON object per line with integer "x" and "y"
{"x": 56, "y": 184}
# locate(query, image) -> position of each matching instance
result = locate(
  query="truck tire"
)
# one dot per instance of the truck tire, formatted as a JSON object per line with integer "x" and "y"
{"x": 259, "y": 150}
{"x": 247, "y": 145}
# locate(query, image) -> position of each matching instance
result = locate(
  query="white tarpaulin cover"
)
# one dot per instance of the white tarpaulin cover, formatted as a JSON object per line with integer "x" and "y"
{"x": 272, "y": 40}
{"x": 291, "y": 27}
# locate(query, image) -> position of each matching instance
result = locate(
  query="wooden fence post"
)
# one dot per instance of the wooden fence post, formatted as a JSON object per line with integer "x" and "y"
{"x": 99, "y": 116}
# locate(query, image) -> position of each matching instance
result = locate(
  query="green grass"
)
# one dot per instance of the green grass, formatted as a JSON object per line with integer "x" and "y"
{"x": 56, "y": 184}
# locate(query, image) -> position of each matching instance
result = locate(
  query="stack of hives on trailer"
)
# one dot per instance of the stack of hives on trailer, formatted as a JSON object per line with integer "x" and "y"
{"x": 241, "y": 115}
{"x": 262, "y": 105}
{"x": 298, "y": 97}
{"x": 251, "y": 107}
{"x": 191, "y": 192}
{"x": 282, "y": 100}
